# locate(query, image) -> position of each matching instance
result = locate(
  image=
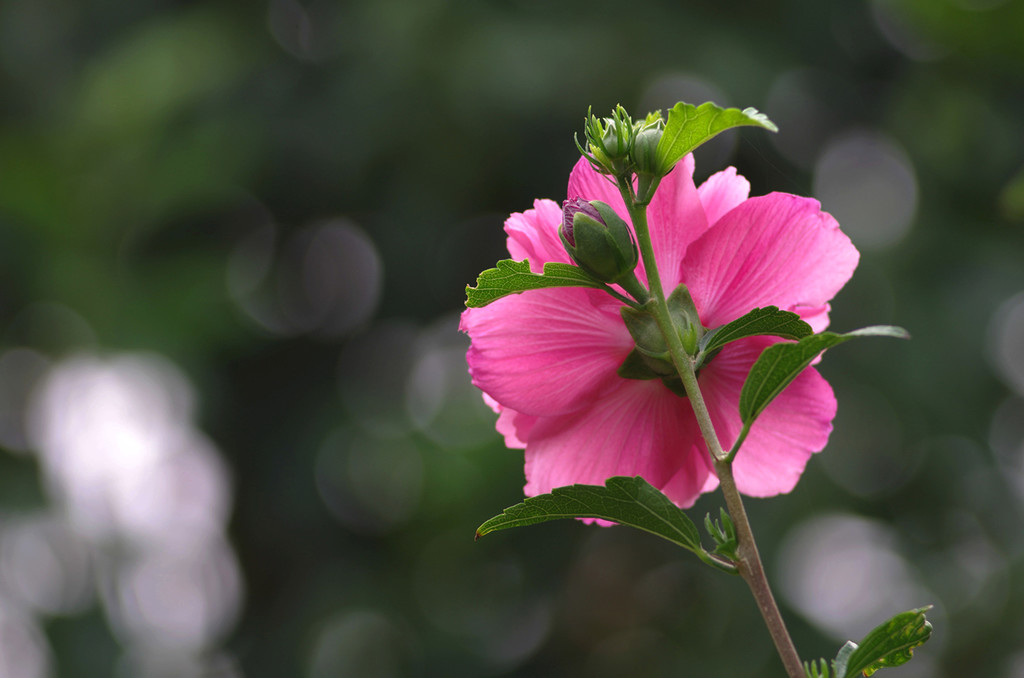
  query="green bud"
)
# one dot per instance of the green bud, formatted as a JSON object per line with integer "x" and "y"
{"x": 645, "y": 152}
{"x": 618, "y": 136}
{"x": 608, "y": 142}
{"x": 598, "y": 240}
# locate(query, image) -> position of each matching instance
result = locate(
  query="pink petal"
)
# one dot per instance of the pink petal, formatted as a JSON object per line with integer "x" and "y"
{"x": 676, "y": 219}
{"x": 777, "y": 249}
{"x": 721, "y": 192}
{"x": 513, "y": 426}
{"x": 815, "y": 316}
{"x": 533, "y": 235}
{"x": 640, "y": 428}
{"x": 546, "y": 352}
{"x": 587, "y": 183}
{"x": 792, "y": 428}
{"x": 796, "y": 425}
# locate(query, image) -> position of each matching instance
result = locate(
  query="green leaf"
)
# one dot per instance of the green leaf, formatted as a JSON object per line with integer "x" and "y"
{"x": 780, "y": 364}
{"x": 689, "y": 126}
{"x": 627, "y": 501}
{"x": 890, "y": 644}
{"x": 512, "y": 277}
{"x": 761, "y": 321}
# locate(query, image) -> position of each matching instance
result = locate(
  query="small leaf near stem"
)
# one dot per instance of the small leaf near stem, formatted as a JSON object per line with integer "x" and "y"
{"x": 723, "y": 532}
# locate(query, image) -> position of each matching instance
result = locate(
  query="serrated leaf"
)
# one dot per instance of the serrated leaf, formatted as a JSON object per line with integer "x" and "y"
{"x": 627, "y": 501}
{"x": 889, "y": 644}
{"x": 770, "y": 321}
{"x": 779, "y": 364}
{"x": 513, "y": 277}
{"x": 689, "y": 126}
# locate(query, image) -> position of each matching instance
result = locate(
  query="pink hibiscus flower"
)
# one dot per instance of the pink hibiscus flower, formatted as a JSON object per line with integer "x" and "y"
{"x": 547, "y": 360}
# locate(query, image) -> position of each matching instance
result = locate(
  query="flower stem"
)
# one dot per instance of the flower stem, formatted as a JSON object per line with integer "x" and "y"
{"x": 638, "y": 215}
{"x": 748, "y": 560}
{"x": 752, "y": 571}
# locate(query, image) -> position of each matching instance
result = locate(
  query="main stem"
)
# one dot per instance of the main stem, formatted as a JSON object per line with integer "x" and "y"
{"x": 752, "y": 571}
{"x": 749, "y": 560}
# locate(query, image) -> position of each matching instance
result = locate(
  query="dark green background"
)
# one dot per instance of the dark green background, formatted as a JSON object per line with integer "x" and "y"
{"x": 149, "y": 149}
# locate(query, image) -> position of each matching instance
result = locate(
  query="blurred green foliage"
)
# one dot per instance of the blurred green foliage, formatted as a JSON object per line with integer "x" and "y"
{"x": 165, "y": 165}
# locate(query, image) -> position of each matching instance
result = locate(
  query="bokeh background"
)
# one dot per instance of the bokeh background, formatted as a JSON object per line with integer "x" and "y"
{"x": 238, "y": 436}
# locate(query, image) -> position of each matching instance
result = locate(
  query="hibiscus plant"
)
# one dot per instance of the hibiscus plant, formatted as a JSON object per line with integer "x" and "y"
{"x": 652, "y": 340}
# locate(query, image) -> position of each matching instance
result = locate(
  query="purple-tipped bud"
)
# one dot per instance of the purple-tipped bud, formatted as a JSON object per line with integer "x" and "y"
{"x": 597, "y": 239}
{"x": 570, "y": 208}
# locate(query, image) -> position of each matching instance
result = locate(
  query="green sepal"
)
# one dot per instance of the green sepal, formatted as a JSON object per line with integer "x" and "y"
{"x": 685, "y": 317}
{"x": 650, "y": 342}
{"x": 642, "y": 367}
{"x": 675, "y": 384}
{"x": 513, "y": 277}
{"x": 689, "y": 126}
{"x": 651, "y": 357}
{"x": 636, "y": 366}
{"x": 889, "y": 644}
{"x": 647, "y": 336}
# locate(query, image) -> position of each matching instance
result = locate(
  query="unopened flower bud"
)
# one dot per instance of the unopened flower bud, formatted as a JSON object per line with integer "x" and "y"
{"x": 569, "y": 210}
{"x": 598, "y": 240}
{"x": 608, "y": 141}
{"x": 645, "y": 152}
{"x": 616, "y": 140}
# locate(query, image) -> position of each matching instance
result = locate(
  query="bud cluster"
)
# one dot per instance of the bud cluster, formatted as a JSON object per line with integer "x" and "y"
{"x": 620, "y": 147}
